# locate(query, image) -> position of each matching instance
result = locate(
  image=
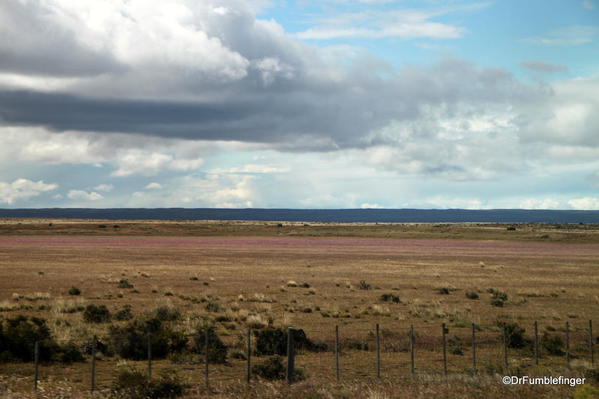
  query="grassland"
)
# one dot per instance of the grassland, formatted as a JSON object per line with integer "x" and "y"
{"x": 312, "y": 276}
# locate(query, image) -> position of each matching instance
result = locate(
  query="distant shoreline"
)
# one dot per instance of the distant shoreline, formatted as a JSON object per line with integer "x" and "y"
{"x": 313, "y": 215}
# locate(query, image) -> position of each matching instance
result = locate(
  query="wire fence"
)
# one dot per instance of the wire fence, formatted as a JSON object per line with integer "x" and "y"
{"x": 341, "y": 352}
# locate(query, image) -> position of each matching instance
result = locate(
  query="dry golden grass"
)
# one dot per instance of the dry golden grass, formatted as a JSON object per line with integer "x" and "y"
{"x": 255, "y": 273}
{"x": 423, "y": 387}
{"x": 496, "y": 231}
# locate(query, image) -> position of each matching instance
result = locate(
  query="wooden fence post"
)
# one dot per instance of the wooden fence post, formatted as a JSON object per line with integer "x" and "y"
{"x": 249, "y": 356}
{"x": 94, "y": 348}
{"x": 568, "y": 343}
{"x": 536, "y": 343}
{"x": 505, "y": 346}
{"x": 36, "y": 360}
{"x": 591, "y": 343}
{"x": 473, "y": 347}
{"x": 149, "y": 355}
{"x": 290, "y": 356}
{"x": 206, "y": 359}
{"x": 337, "y": 353}
{"x": 444, "y": 335}
{"x": 412, "y": 350}
{"x": 378, "y": 352}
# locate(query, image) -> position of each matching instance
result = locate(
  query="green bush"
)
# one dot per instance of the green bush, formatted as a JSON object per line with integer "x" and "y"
{"x": 19, "y": 334}
{"x": 456, "y": 346}
{"x": 124, "y": 283}
{"x": 133, "y": 384}
{"x": 217, "y": 351}
{"x": 124, "y": 314}
{"x": 552, "y": 344}
{"x": 96, "y": 314}
{"x": 167, "y": 313}
{"x": 592, "y": 374}
{"x": 273, "y": 341}
{"x": 390, "y": 298}
{"x": 74, "y": 291}
{"x": 514, "y": 334}
{"x": 586, "y": 392}
{"x": 499, "y": 298}
{"x": 213, "y": 307}
{"x": 101, "y": 347}
{"x": 471, "y": 295}
{"x": 131, "y": 341}
{"x": 69, "y": 353}
{"x": 271, "y": 369}
{"x": 357, "y": 345}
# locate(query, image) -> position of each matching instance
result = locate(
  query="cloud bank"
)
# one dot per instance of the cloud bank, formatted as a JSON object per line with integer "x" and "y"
{"x": 148, "y": 92}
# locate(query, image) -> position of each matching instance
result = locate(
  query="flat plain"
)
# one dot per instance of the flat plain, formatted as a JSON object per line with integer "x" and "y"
{"x": 312, "y": 276}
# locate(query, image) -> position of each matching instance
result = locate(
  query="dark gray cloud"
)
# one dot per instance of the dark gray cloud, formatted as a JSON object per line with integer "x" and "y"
{"x": 295, "y": 115}
{"x": 544, "y": 67}
{"x": 33, "y": 42}
{"x": 217, "y": 73}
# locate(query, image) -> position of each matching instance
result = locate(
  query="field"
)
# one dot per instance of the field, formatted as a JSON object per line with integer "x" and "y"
{"x": 314, "y": 277}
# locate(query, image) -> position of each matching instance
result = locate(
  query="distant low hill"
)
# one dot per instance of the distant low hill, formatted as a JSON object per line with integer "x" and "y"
{"x": 316, "y": 215}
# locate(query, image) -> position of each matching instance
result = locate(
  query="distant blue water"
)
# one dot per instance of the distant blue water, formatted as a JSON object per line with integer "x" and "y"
{"x": 315, "y": 215}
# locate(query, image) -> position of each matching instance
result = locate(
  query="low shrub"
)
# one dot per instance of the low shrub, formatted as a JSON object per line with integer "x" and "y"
{"x": 167, "y": 313}
{"x": 271, "y": 369}
{"x": 74, "y": 291}
{"x": 357, "y": 345}
{"x": 498, "y": 298}
{"x": 69, "y": 353}
{"x": 390, "y": 298}
{"x": 19, "y": 334}
{"x": 552, "y": 344}
{"x": 96, "y": 314}
{"x": 273, "y": 341}
{"x": 17, "y": 337}
{"x": 363, "y": 285}
{"x": 514, "y": 334}
{"x": 586, "y": 392}
{"x": 124, "y": 314}
{"x": 125, "y": 284}
{"x": 101, "y": 347}
{"x": 471, "y": 295}
{"x": 592, "y": 374}
{"x": 456, "y": 346}
{"x": 133, "y": 384}
{"x": 131, "y": 341}
{"x": 217, "y": 350}
{"x": 213, "y": 307}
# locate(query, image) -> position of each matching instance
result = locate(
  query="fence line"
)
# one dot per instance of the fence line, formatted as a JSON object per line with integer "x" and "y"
{"x": 428, "y": 344}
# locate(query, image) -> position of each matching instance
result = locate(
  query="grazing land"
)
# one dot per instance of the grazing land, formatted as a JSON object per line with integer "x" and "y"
{"x": 313, "y": 276}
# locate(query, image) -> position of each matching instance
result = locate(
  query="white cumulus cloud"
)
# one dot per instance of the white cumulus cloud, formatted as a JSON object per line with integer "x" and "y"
{"x": 23, "y": 189}
{"x": 536, "y": 203}
{"x": 104, "y": 188}
{"x": 585, "y": 203}
{"x": 153, "y": 186}
{"x": 84, "y": 195}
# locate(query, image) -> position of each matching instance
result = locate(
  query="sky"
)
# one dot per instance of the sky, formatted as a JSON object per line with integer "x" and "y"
{"x": 299, "y": 104}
